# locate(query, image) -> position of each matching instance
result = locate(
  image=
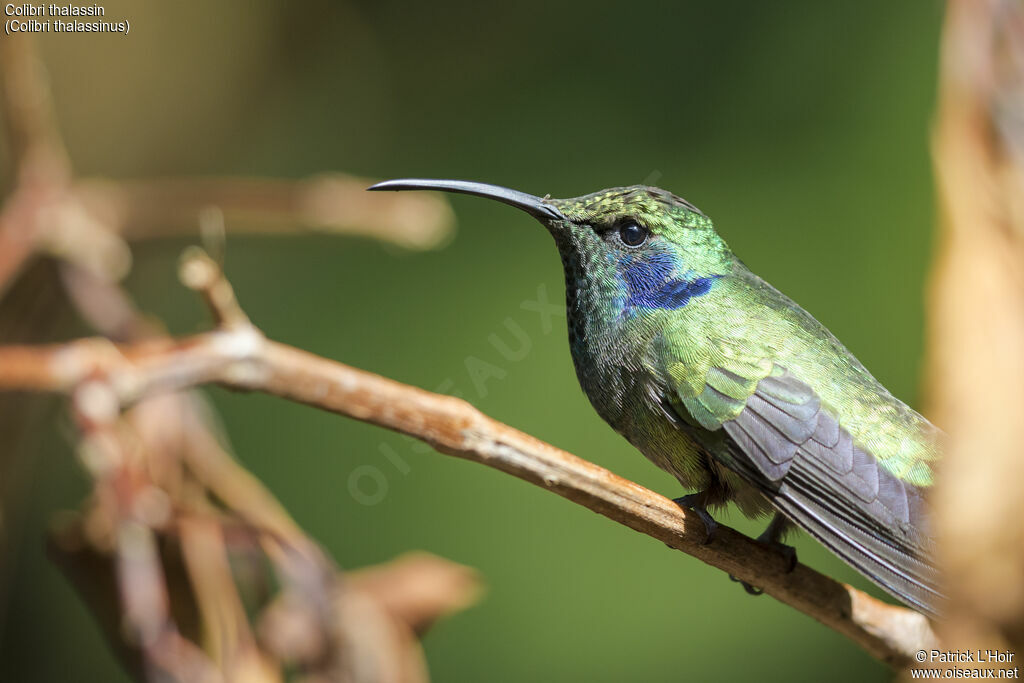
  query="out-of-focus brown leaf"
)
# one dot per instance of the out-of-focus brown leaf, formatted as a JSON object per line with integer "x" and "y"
{"x": 418, "y": 588}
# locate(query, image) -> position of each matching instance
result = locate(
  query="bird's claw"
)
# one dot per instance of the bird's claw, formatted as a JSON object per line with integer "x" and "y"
{"x": 752, "y": 590}
{"x": 788, "y": 552}
{"x": 694, "y": 502}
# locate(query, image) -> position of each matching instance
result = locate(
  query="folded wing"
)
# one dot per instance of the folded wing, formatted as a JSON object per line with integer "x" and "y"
{"x": 782, "y": 440}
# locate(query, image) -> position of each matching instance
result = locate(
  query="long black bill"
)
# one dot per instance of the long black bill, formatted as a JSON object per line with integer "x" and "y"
{"x": 535, "y": 206}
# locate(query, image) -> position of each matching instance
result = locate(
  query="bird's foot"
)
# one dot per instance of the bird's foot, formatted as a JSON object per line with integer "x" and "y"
{"x": 788, "y": 552}
{"x": 772, "y": 537}
{"x": 695, "y": 503}
{"x": 752, "y": 590}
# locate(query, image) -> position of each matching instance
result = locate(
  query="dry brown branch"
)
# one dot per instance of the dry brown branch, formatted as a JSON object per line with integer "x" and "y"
{"x": 349, "y": 634}
{"x": 40, "y": 165}
{"x": 976, "y": 373}
{"x": 240, "y": 357}
{"x": 25, "y": 104}
{"x": 157, "y": 550}
{"x": 334, "y": 203}
{"x": 87, "y": 221}
{"x": 126, "y": 521}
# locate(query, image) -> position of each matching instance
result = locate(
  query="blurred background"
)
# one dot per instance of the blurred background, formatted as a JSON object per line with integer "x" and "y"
{"x": 801, "y": 129}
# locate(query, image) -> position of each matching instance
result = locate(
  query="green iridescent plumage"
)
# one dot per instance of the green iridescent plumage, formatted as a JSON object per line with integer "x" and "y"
{"x": 726, "y": 383}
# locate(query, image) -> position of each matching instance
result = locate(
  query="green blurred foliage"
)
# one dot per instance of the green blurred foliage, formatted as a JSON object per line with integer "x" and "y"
{"x": 800, "y": 127}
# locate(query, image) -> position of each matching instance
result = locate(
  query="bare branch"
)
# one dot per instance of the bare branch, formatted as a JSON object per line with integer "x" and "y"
{"x": 27, "y": 109}
{"x": 229, "y": 639}
{"x": 243, "y": 359}
{"x": 40, "y": 164}
{"x": 333, "y": 203}
{"x": 199, "y": 272}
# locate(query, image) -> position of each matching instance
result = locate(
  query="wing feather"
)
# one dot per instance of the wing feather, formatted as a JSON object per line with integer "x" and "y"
{"x": 786, "y": 443}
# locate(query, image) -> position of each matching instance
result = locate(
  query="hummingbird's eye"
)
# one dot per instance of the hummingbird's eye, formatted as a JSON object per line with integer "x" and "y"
{"x": 632, "y": 234}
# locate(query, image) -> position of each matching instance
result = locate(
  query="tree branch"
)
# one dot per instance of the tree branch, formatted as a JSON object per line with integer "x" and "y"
{"x": 332, "y": 203}
{"x": 238, "y": 356}
{"x": 40, "y": 165}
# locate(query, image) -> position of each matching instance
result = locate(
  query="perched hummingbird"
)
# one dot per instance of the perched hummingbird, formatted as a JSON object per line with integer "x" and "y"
{"x": 726, "y": 383}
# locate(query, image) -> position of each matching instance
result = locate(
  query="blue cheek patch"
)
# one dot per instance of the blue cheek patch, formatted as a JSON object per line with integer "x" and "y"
{"x": 675, "y": 293}
{"x": 650, "y": 283}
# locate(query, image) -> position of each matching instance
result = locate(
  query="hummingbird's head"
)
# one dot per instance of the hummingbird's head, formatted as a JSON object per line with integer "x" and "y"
{"x": 643, "y": 246}
{"x": 640, "y": 225}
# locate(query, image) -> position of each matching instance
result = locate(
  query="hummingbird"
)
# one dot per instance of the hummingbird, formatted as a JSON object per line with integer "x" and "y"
{"x": 727, "y": 384}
